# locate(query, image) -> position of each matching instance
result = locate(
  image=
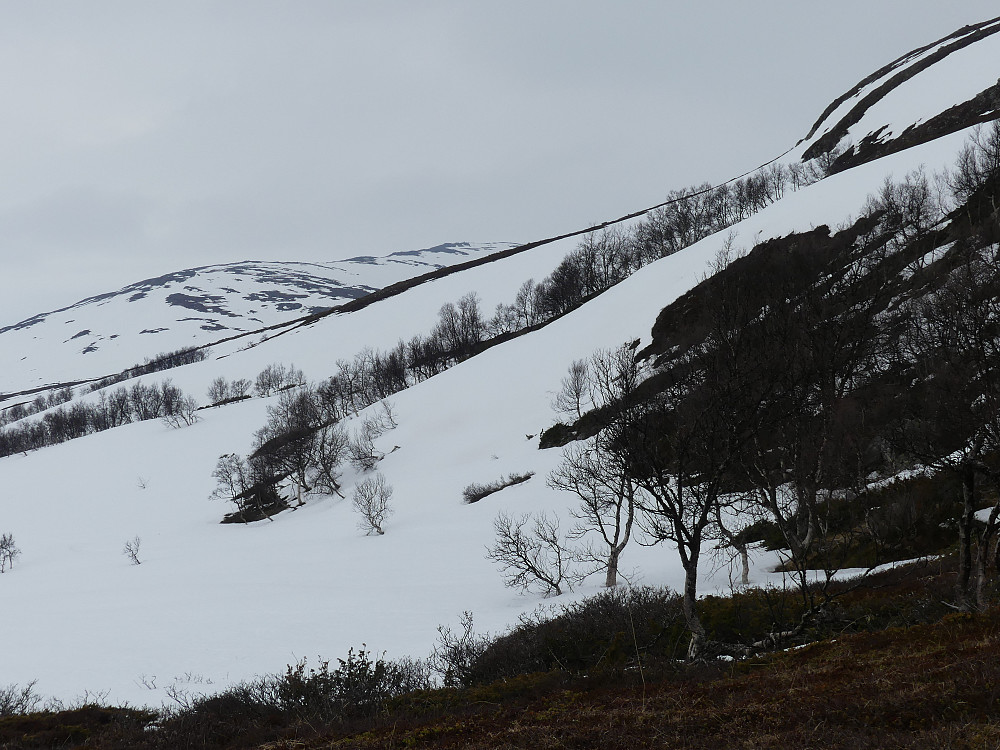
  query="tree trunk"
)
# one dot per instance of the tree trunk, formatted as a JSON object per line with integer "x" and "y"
{"x": 691, "y": 618}
{"x": 965, "y": 528}
{"x": 984, "y": 553}
{"x": 611, "y": 580}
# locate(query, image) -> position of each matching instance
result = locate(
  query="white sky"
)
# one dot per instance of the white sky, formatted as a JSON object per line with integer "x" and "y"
{"x": 143, "y": 138}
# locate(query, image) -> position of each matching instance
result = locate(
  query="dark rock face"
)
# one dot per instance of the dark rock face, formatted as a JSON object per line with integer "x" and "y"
{"x": 984, "y": 107}
{"x": 206, "y": 303}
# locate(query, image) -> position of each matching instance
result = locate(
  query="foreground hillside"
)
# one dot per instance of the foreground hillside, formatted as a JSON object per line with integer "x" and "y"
{"x": 928, "y": 685}
{"x": 924, "y": 687}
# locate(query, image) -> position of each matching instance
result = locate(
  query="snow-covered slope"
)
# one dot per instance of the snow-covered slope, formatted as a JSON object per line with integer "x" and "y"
{"x": 212, "y": 604}
{"x": 927, "y": 93}
{"x": 106, "y": 333}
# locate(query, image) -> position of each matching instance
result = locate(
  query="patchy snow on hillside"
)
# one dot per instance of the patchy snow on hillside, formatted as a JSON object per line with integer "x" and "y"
{"x": 105, "y": 334}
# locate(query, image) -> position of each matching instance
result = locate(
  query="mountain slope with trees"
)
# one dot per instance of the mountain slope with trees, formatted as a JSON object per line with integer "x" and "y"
{"x": 700, "y": 362}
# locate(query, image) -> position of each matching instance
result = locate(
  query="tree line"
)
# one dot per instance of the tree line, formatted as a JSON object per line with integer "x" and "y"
{"x": 114, "y": 408}
{"x": 157, "y": 363}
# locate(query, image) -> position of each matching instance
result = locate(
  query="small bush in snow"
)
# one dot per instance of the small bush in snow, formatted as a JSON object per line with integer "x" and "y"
{"x": 131, "y": 550}
{"x": 476, "y": 492}
{"x": 8, "y": 551}
{"x": 371, "y": 500}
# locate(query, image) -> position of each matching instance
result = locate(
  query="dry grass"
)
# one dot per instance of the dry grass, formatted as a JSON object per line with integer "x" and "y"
{"x": 930, "y": 686}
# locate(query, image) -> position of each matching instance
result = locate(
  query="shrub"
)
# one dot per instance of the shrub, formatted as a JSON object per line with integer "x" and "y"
{"x": 371, "y": 500}
{"x": 531, "y": 553}
{"x": 476, "y": 492}
{"x": 456, "y": 653}
{"x": 16, "y": 700}
{"x": 8, "y": 552}
{"x": 131, "y": 550}
{"x": 618, "y": 629}
{"x": 358, "y": 686}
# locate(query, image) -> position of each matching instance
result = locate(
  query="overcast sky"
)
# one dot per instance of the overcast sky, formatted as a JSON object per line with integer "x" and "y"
{"x": 139, "y": 138}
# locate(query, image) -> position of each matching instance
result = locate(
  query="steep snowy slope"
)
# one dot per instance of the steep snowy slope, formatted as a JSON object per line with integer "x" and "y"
{"x": 212, "y": 604}
{"x": 107, "y": 333}
{"x": 925, "y": 94}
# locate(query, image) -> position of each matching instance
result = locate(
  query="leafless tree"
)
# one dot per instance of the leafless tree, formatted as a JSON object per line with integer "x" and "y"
{"x": 247, "y": 485}
{"x": 287, "y": 443}
{"x": 531, "y": 553}
{"x": 8, "y": 552}
{"x": 977, "y": 162}
{"x": 276, "y": 377}
{"x": 371, "y": 501}
{"x": 218, "y": 390}
{"x": 185, "y": 413}
{"x": 823, "y": 165}
{"x": 526, "y": 305}
{"x": 599, "y": 478}
{"x": 17, "y": 701}
{"x": 233, "y": 480}
{"x": 131, "y": 550}
{"x": 330, "y": 451}
{"x": 455, "y": 654}
{"x": 146, "y": 401}
{"x": 240, "y": 388}
{"x": 384, "y": 417}
{"x": 599, "y": 472}
{"x": 573, "y": 397}
{"x": 460, "y": 327}
{"x": 953, "y": 422}
{"x": 361, "y": 450}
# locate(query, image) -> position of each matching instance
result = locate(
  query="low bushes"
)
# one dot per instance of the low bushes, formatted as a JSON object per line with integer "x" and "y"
{"x": 476, "y": 492}
{"x": 610, "y": 631}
